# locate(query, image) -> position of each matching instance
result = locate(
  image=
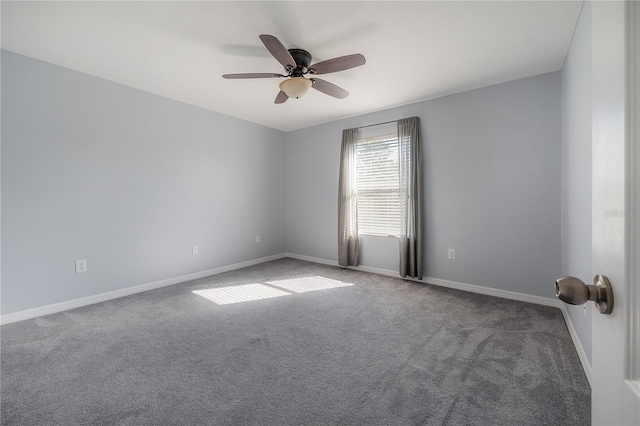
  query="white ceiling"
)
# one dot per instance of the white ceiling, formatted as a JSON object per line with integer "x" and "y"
{"x": 414, "y": 50}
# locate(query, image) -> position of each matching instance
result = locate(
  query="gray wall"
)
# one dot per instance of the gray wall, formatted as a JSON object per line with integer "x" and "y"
{"x": 127, "y": 180}
{"x": 492, "y": 186}
{"x": 130, "y": 181}
{"x": 576, "y": 168}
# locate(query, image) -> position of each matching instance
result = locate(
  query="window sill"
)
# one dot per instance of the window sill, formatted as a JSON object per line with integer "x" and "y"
{"x": 377, "y": 235}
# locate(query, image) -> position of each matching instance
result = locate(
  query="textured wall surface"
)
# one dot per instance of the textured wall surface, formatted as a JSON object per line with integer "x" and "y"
{"x": 128, "y": 181}
{"x": 491, "y": 178}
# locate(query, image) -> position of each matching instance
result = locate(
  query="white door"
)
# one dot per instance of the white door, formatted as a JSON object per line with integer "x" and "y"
{"x": 616, "y": 223}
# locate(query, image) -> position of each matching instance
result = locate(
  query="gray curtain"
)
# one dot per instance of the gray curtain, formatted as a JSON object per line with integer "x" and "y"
{"x": 348, "y": 201}
{"x": 411, "y": 197}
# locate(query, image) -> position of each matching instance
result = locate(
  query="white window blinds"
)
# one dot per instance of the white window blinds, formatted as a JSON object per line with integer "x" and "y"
{"x": 378, "y": 185}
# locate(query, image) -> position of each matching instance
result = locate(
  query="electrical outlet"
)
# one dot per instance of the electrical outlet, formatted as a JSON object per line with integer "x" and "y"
{"x": 81, "y": 266}
{"x": 451, "y": 254}
{"x": 194, "y": 250}
{"x": 257, "y": 238}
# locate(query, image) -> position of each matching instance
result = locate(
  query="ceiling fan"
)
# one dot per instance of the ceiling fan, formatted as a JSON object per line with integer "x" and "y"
{"x": 296, "y": 64}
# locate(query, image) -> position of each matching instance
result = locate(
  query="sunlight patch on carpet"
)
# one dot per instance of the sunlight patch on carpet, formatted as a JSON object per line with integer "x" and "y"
{"x": 305, "y": 284}
{"x": 240, "y": 293}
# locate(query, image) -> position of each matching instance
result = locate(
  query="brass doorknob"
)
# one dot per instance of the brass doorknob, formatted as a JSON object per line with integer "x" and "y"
{"x": 573, "y": 291}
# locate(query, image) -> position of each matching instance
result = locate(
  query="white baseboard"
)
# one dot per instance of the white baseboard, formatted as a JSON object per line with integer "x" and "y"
{"x": 102, "y": 297}
{"x": 505, "y": 294}
{"x": 586, "y": 366}
{"x": 312, "y": 259}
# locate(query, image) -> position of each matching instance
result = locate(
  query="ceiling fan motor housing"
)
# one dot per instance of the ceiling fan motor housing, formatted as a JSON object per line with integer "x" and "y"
{"x": 303, "y": 60}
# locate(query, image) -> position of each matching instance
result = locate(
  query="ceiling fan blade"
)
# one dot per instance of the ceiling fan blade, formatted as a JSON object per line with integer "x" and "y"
{"x": 338, "y": 64}
{"x": 278, "y": 51}
{"x": 281, "y": 98}
{"x": 252, "y": 75}
{"x": 329, "y": 88}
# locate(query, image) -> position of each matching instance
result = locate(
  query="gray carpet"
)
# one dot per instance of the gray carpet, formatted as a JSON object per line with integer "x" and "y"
{"x": 380, "y": 352}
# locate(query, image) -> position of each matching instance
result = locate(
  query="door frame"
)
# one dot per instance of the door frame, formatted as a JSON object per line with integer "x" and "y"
{"x": 633, "y": 336}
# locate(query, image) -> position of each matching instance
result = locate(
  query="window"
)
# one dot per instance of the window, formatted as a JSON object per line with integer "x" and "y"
{"x": 380, "y": 191}
{"x": 378, "y": 185}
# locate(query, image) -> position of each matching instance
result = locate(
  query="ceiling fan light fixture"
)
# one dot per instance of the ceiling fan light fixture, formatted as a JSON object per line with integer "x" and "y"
{"x": 295, "y": 87}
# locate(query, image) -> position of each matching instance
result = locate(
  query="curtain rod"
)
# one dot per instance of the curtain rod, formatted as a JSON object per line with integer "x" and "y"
{"x": 378, "y": 124}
